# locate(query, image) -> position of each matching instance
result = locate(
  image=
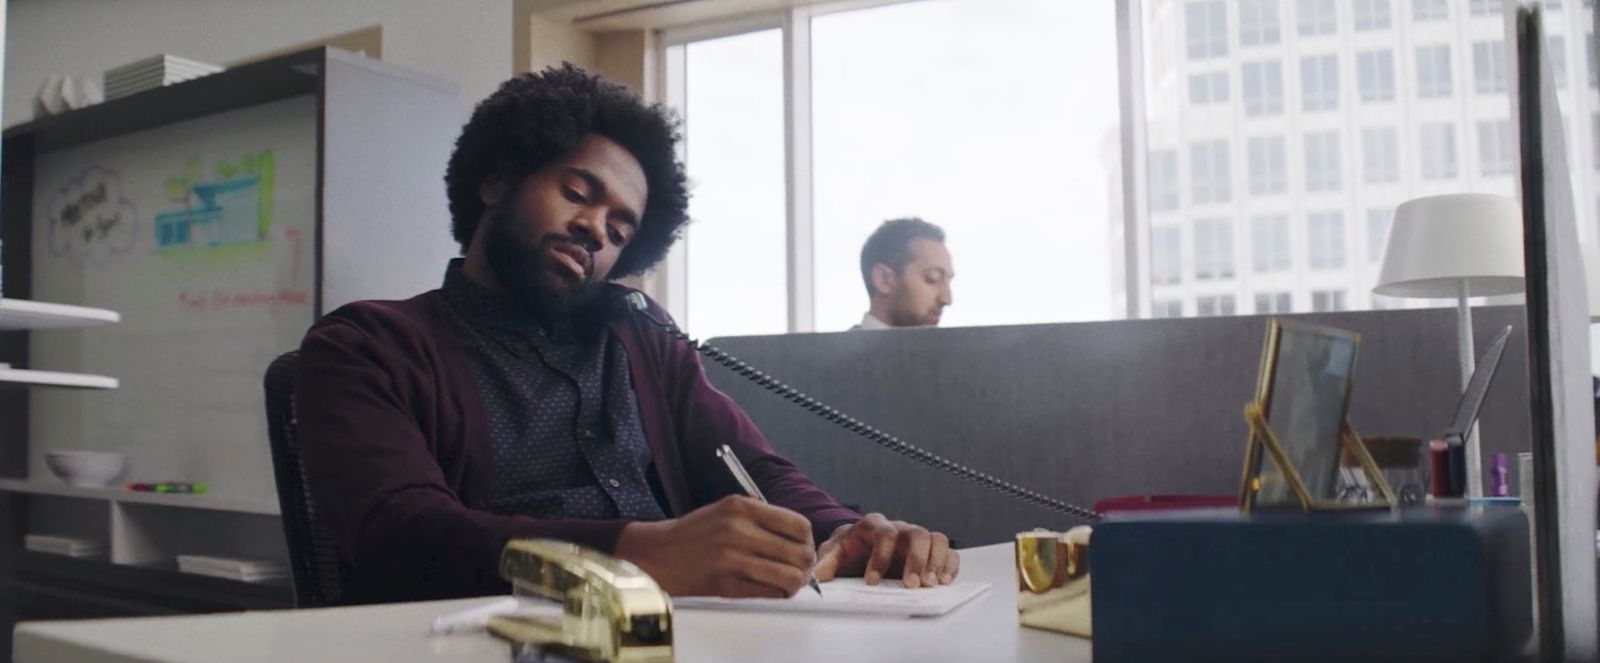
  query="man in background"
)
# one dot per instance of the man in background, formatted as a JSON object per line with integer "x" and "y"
{"x": 907, "y": 272}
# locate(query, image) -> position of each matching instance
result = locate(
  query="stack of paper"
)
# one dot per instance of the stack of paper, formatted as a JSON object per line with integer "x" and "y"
{"x": 232, "y": 568}
{"x": 64, "y": 545}
{"x": 151, "y": 73}
{"x": 852, "y": 596}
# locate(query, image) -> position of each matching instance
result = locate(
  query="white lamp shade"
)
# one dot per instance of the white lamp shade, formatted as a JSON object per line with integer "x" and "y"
{"x": 1440, "y": 244}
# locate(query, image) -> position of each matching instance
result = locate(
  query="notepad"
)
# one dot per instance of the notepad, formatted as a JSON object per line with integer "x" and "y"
{"x": 852, "y": 596}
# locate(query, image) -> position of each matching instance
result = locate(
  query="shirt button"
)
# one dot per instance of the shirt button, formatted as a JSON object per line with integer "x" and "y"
{"x": 586, "y": 433}
{"x": 614, "y": 483}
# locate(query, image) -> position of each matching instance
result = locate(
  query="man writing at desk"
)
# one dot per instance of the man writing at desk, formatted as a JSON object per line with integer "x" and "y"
{"x": 521, "y": 400}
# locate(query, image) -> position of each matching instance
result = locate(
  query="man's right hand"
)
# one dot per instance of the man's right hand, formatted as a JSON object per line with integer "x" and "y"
{"x": 736, "y": 547}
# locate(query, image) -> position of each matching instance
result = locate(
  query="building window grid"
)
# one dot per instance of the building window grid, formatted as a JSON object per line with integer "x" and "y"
{"x": 1323, "y": 170}
{"x": 1261, "y": 86}
{"x": 1209, "y": 172}
{"x": 1429, "y": 10}
{"x": 1327, "y": 300}
{"x": 1375, "y": 75}
{"x": 1208, "y": 88}
{"x": 1258, "y": 23}
{"x": 1206, "y": 23}
{"x": 1489, "y": 67}
{"x": 1274, "y": 302}
{"x": 1319, "y": 83}
{"x": 1437, "y": 142}
{"x": 1163, "y": 167}
{"x": 1269, "y": 244}
{"x": 1371, "y": 15}
{"x": 1213, "y": 249}
{"x": 1166, "y": 256}
{"x": 1325, "y": 240}
{"x": 1214, "y": 305}
{"x": 1268, "y": 165}
{"x": 1380, "y": 155}
{"x": 1316, "y": 17}
{"x": 1378, "y": 221}
{"x": 1433, "y": 71}
{"x": 1495, "y": 152}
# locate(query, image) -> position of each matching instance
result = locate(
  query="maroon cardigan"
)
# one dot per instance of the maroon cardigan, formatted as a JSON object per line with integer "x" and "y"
{"x": 395, "y": 445}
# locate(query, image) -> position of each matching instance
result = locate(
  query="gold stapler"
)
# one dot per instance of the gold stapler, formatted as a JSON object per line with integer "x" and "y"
{"x": 1053, "y": 580}
{"x": 612, "y": 612}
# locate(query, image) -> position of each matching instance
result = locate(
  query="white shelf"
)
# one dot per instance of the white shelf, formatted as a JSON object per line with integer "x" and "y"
{"x": 17, "y": 314}
{"x": 23, "y": 376}
{"x": 200, "y": 501}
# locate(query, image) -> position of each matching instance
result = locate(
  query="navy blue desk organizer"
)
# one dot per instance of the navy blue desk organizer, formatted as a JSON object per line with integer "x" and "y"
{"x": 1424, "y": 584}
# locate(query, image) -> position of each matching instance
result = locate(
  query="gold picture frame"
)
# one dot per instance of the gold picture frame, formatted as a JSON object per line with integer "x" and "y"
{"x": 1304, "y": 469}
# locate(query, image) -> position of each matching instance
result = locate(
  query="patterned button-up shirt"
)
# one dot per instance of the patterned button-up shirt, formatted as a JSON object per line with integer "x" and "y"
{"x": 565, "y": 435}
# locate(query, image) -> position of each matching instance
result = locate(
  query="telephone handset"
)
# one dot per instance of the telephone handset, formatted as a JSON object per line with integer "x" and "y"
{"x": 636, "y": 303}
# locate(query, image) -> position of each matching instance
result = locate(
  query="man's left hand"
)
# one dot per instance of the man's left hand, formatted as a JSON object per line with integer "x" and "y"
{"x": 876, "y": 547}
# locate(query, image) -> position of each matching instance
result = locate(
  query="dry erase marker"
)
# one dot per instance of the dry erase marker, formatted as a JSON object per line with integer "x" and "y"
{"x": 751, "y": 489}
{"x": 168, "y": 487}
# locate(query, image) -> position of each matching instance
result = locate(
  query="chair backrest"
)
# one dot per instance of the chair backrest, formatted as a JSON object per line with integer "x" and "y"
{"x": 313, "y": 553}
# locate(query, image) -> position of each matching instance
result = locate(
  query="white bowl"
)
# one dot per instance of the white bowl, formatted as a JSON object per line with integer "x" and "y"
{"x": 86, "y": 469}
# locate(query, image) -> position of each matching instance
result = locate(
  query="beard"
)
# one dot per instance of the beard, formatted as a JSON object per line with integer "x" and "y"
{"x": 528, "y": 271}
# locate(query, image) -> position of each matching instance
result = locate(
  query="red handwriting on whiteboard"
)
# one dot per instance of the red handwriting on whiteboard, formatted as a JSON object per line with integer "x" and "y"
{"x": 225, "y": 300}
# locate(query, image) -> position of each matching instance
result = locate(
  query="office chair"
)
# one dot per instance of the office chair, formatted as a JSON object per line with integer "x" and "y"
{"x": 313, "y": 554}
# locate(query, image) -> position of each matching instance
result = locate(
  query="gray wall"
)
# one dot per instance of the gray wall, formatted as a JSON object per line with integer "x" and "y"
{"x": 1089, "y": 410}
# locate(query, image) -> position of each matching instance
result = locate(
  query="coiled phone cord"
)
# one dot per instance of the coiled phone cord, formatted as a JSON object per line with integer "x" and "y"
{"x": 777, "y": 387}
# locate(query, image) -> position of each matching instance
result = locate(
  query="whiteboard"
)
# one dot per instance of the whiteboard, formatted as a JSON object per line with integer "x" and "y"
{"x": 202, "y": 235}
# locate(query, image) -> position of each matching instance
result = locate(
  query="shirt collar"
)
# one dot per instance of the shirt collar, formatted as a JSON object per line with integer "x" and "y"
{"x": 483, "y": 306}
{"x": 870, "y": 322}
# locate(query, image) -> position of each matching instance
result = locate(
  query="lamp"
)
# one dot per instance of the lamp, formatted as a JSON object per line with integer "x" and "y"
{"x": 1456, "y": 246}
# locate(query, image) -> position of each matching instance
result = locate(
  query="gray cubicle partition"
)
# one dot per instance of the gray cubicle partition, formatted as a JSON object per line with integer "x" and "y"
{"x": 1085, "y": 411}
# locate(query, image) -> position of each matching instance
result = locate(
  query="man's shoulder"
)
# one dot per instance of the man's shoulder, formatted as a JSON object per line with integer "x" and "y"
{"x": 395, "y": 320}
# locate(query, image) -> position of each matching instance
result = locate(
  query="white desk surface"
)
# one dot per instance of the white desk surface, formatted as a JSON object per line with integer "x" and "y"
{"x": 983, "y": 630}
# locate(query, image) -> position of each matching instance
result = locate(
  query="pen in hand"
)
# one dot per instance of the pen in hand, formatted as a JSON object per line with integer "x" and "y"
{"x": 752, "y": 490}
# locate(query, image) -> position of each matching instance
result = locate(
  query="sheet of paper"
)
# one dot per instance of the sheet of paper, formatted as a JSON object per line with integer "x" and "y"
{"x": 852, "y": 596}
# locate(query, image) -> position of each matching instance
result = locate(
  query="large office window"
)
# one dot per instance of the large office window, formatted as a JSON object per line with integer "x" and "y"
{"x": 733, "y": 110}
{"x": 1269, "y": 168}
{"x": 1437, "y": 143}
{"x": 1213, "y": 249}
{"x": 1322, "y": 161}
{"x": 1319, "y": 83}
{"x": 1316, "y": 17}
{"x": 1489, "y": 67}
{"x": 1262, "y": 87}
{"x": 1209, "y": 172}
{"x": 1258, "y": 22}
{"x": 1325, "y": 239}
{"x": 905, "y": 125}
{"x": 1433, "y": 71}
{"x": 1269, "y": 244}
{"x": 1207, "y": 28}
{"x": 1380, "y": 155}
{"x": 1496, "y": 152}
{"x": 1375, "y": 75}
{"x": 1371, "y": 14}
